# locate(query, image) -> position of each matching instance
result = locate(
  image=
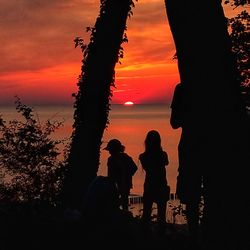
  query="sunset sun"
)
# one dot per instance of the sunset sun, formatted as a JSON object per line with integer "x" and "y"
{"x": 129, "y": 103}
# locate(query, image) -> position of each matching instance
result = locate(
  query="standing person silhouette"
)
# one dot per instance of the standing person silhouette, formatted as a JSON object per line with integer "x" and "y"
{"x": 154, "y": 161}
{"x": 121, "y": 169}
{"x": 189, "y": 179}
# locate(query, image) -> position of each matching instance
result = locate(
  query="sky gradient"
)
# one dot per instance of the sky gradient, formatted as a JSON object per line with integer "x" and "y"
{"x": 40, "y": 64}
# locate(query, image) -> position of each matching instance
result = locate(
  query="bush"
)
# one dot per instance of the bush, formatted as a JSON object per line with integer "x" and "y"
{"x": 29, "y": 165}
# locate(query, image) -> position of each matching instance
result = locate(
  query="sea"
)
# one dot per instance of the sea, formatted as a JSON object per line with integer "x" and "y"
{"x": 129, "y": 124}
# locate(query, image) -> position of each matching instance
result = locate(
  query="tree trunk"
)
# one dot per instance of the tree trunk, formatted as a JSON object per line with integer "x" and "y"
{"x": 217, "y": 115}
{"x": 92, "y": 100}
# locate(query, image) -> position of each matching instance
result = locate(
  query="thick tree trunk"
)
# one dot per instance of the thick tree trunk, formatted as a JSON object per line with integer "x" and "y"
{"x": 217, "y": 114}
{"x": 92, "y": 101}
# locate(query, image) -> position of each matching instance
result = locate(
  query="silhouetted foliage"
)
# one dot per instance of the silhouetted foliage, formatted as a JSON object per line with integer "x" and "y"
{"x": 240, "y": 44}
{"x": 88, "y": 50}
{"x": 239, "y": 34}
{"x": 237, "y": 2}
{"x": 29, "y": 164}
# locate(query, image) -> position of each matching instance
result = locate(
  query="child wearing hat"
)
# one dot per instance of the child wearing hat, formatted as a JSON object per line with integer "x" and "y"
{"x": 121, "y": 168}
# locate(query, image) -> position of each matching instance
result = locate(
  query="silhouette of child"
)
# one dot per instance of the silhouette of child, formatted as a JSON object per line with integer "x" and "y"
{"x": 121, "y": 169}
{"x": 156, "y": 189}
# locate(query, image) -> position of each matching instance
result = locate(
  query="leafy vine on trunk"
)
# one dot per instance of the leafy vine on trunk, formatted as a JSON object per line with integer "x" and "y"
{"x": 92, "y": 101}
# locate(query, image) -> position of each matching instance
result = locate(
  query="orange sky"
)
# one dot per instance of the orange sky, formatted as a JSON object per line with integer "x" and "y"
{"x": 40, "y": 64}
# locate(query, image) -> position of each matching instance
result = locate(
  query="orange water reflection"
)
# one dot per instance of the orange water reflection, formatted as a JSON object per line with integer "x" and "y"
{"x": 130, "y": 125}
{"x": 127, "y": 123}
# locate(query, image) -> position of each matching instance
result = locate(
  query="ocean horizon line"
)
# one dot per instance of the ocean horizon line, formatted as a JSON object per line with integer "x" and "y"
{"x": 72, "y": 104}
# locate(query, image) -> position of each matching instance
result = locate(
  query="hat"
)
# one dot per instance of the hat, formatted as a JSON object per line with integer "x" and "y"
{"x": 114, "y": 144}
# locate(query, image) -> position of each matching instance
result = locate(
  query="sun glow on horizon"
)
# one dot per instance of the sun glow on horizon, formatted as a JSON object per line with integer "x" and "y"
{"x": 128, "y": 103}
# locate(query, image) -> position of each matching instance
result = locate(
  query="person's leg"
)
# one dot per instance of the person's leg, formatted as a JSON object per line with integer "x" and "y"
{"x": 147, "y": 209}
{"x": 161, "y": 212}
{"x": 124, "y": 201}
{"x": 161, "y": 217}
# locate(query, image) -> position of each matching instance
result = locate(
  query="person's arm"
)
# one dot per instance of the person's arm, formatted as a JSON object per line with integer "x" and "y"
{"x": 133, "y": 167}
{"x": 112, "y": 168}
{"x": 109, "y": 174}
{"x": 166, "y": 161}
{"x": 143, "y": 162}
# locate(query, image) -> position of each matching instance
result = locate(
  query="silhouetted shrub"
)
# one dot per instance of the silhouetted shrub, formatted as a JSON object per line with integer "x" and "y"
{"x": 29, "y": 165}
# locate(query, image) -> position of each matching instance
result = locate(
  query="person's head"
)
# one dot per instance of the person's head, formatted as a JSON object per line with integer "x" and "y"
{"x": 153, "y": 141}
{"x": 114, "y": 146}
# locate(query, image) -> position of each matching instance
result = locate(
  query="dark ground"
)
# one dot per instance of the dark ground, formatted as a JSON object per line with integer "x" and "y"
{"x": 50, "y": 229}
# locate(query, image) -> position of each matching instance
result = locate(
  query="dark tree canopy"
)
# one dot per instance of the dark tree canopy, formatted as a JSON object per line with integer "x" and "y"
{"x": 239, "y": 34}
{"x": 237, "y": 2}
